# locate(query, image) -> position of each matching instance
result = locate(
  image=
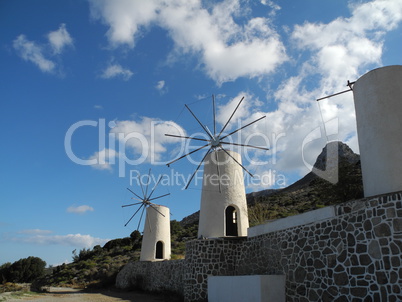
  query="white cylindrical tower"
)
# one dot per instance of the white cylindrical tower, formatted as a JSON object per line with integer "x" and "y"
{"x": 223, "y": 210}
{"x": 378, "y": 103}
{"x": 156, "y": 239}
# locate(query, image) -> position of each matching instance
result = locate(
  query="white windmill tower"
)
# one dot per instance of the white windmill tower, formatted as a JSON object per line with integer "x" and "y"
{"x": 156, "y": 237}
{"x": 378, "y": 103}
{"x": 223, "y": 210}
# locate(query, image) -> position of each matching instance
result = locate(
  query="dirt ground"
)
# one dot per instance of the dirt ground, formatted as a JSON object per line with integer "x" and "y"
{"x": 76, "y": 295}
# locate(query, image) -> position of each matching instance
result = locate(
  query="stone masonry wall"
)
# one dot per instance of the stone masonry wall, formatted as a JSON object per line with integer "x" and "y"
{"x": 216, "y": 257}
{"x": 354, "y": 256}
{"x": 155, "y": 276}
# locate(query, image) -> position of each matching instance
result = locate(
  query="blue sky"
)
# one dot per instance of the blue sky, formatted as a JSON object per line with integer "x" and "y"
{"x": 89, "y": 88}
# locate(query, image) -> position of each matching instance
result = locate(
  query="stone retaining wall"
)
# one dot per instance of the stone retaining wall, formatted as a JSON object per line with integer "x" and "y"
{"x": 216, "y": 257}
{"x": 155, "y": 276}
{"x": 354, "y": 255}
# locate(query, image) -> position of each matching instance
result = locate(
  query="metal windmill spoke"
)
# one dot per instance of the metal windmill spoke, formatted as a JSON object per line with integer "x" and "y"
{"x": 188, "y": 137}
{"x": 149, "y": 180}
{"x": 153, "y": 190}
{"x": 157, "y": 211}
{"x": 238, "y": 162}
{"x": 141, "y": 198}
{"x": 244, "y": 145}
{"x": 224, "y": 127}
{"x": 133, "y": 204}
{"x": 139, "y": 222}
{"x": 244, "y": 127}
{"x": 137, "y": 198}
{"x": 187, "y": 154}
{"x": 134, "y": 214}
{"x": 213, "y": 109}
{"x": 192, "y": 176}
{"x": 159, "y": 197}
{"x": 203, "y": 127}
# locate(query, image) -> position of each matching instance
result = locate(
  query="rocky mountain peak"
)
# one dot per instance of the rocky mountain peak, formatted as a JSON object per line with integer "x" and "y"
{"x": 335, "y": 151}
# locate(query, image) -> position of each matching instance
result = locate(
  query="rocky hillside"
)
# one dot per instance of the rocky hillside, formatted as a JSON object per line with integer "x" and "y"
{"x": 342, "y": 181}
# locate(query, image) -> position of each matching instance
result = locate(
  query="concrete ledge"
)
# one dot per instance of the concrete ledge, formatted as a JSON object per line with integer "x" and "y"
{"x": 293, "y": 221}
{"x": 256, "y": 288}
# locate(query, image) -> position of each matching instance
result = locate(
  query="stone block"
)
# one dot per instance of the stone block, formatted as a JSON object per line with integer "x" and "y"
{"x": 341, "y": 278}
{"x": 374, "y": 249}
{"x": 382, "y": 230}
{"x": 397, "y": 224}
{"x": 246, "y": 288}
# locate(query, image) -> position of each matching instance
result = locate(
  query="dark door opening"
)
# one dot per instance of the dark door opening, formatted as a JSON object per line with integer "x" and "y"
{"x": 159, "y": 250}
{"x": 231, "y": 221}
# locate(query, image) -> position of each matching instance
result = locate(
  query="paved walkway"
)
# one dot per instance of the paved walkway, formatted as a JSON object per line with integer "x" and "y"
{"x": 75, "y": 295}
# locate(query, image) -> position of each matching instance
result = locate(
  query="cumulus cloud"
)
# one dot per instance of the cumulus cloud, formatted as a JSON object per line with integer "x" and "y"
{"x": 224, "y": 111}
{"x": 226, "y": 50}
{"x": 32, "y": 52}
{"x": 124, "y": 18}
{"x": 145, "y": 137}
{"x": 75, "y": 240}
{"x": 59, "y": 39}
{"x": 104, "y": 158}
{"x": 161, "y": 87}
{"x": 116, "y": 70}
{"x": 80, "y": 209}
{"x": 41, "y": 54}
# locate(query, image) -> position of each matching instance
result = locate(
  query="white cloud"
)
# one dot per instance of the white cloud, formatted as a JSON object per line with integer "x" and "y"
{"x": 80, "y": 209}
{"x": 32, "y": 52}
{"x": 146, "y": 137}
{"x": 105, "y": 158}
{"x": 227, "y": 50}
{"x": 124, "y": 17}
{"x": 224, "y": 111}
{"x": 59, "y": 39}
{"x": 76, "y": 240}
{"x": 39, "y": 54}
{"x": 116, "y": 70}
{"x": 34, "y": 232}
{"x": 98, "y": 107}
{"x": 161, "y": 87}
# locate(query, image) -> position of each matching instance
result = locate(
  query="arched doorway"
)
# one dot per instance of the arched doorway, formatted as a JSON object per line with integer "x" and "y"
{"x": 231, "y": 221}
{"x": 159, "y": 250}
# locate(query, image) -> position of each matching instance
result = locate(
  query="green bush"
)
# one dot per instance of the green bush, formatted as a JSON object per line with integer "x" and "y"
{"x": 24, "y": 270}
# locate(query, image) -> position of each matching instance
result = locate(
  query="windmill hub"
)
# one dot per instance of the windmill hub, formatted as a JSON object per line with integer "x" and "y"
{"x": 215, "y": 142}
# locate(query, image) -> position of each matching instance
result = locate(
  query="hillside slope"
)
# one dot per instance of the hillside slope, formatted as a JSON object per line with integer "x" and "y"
{"x": 311, "y": 191}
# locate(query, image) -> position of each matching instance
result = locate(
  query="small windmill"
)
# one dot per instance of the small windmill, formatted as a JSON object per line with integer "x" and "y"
{"x": 215, "y": 140}
{"x": 223, "y": 212}
{"x": 144, "y": 201}
{"x": 156, "y": 237}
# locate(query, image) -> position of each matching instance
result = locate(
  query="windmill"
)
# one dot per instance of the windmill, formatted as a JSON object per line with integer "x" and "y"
{"x": 223, "y": 212}
{"x": 215, "y": 141}
{"x": 156, "y": 236}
